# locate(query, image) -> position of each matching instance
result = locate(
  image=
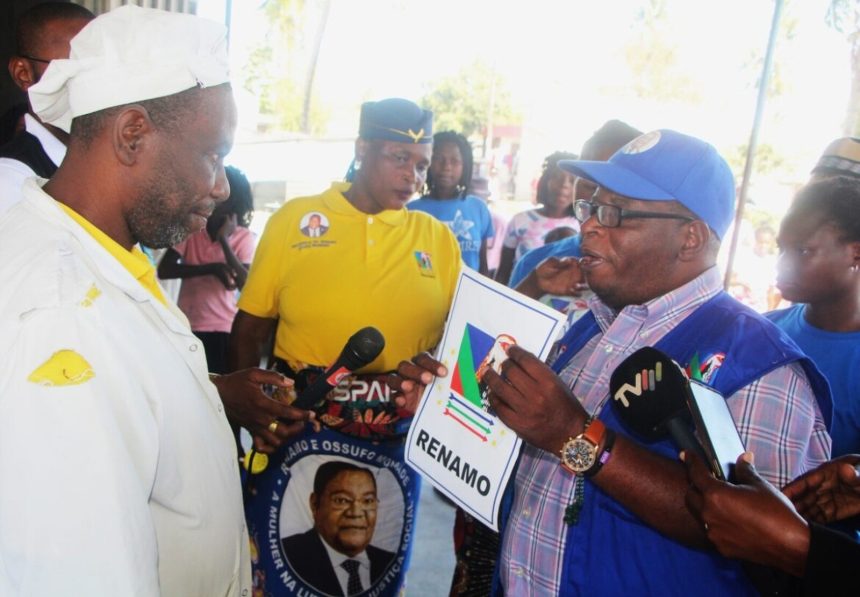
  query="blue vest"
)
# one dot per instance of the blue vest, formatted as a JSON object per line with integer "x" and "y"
{"x": 610, "y": 551}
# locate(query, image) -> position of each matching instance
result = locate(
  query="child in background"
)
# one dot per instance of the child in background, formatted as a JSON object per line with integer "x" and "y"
{"x": 213, "y": 264}
{"x": 480, "y": 188}
{"x": 819, "y": 268}
{"x": 446, "y": 198}
{"x": 527, "y": 229}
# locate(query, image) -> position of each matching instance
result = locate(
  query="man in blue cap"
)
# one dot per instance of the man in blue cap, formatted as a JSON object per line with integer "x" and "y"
{"x": 595, "y": 511}
{"x": 373, "y": 263}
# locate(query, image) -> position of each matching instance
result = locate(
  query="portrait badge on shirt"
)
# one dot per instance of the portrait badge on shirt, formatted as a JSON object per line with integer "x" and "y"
{"x": 425, "y": 264}
{"x": 314, "y": 224}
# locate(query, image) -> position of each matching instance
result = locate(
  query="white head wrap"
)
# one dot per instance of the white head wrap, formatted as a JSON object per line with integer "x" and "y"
{"x": 128, "y": 55}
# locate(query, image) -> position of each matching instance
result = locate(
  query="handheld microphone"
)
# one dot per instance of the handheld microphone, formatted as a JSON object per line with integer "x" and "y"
{"x": 361, "y": 348}
{"x": 650, "y": 394}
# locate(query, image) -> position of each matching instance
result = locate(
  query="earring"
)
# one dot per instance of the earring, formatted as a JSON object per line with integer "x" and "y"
{"x": 356, "y": 165}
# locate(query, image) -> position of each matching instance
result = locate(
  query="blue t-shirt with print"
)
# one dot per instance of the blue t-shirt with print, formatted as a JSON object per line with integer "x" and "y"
{"x": 467, "y": 217}
{"x": 836, "y": 354}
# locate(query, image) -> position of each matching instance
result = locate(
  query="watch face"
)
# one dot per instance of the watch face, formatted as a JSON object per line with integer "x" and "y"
{"x": 579, "y": 454}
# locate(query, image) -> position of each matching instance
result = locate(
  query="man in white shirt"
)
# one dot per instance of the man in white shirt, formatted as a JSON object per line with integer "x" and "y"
{"x": 118, "y": 467}
{"x": 42, "y": 34}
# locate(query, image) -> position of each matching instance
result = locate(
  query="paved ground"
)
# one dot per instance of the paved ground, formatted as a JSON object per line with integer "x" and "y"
{"x": 433, "y": 551}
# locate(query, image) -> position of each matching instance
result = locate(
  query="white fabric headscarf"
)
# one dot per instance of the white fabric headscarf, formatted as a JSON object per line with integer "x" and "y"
{"x": 128, "y": 55}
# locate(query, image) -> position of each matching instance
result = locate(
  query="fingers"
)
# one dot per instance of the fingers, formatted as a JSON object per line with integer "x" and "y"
{"x": 408, "y": 401}
{"x": 700, "y": 479}
{"x": 811, "y": 483}
{"x": 266, "y": 377}
{"x": 698, "y": 474}
{"x": 795, "y": 490}
{"x": 411, "y": 378}
{"x": 263, "y": 446}
{"x": 745, "y": 472}
{"x": 695, "y": 503}
{"x": 497, "y": 385}
{"x": 504, "y": 398}
{"x": 848, "y": 473}
{"x": 419, "y": 371}
{"x": 273, "y": 434}
{"x": 430, "y": 364}
{"x": 527, "y": 361}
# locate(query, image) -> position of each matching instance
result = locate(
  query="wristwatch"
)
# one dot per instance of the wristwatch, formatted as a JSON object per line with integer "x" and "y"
{"x": 581, "y": 455}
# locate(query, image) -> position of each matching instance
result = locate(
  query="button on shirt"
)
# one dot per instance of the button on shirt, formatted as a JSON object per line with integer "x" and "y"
{"x": 777, "y": 417}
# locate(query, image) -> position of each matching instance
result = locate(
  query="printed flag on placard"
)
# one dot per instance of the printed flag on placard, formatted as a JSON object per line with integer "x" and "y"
{"x": 475, "y": 346}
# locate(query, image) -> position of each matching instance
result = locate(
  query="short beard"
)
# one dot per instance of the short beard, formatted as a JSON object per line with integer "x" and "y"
{"x": 155, "y": 221}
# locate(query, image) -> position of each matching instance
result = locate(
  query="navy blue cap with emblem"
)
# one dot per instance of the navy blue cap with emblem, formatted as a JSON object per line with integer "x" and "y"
{"x": 396, "y": 119}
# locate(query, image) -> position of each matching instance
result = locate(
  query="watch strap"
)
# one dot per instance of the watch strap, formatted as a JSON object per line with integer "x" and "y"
{"x": 594, "y": 431}
{"x": 604, "y": 455}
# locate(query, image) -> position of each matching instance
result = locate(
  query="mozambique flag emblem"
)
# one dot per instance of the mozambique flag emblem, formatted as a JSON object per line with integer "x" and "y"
{"x": 425, "y": 263}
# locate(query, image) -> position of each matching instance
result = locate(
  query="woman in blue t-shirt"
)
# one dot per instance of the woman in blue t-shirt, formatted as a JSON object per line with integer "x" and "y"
{"x": 819, "y": 268}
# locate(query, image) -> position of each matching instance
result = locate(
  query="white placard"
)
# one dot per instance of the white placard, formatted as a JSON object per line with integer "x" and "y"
{"x": 455, "y": 441}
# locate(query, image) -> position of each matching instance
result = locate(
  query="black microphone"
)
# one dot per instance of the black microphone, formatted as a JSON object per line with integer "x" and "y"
{"x": 361, "y": 348}
{"x": 650, "y": 394}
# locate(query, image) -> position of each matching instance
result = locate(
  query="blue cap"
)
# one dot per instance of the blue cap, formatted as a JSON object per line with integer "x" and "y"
{"x": 666, "y": 165}
{"x": 397, "y": 120}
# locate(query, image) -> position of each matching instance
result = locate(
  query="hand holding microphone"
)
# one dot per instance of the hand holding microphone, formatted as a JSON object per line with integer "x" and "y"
{"x": 360, "y": 350}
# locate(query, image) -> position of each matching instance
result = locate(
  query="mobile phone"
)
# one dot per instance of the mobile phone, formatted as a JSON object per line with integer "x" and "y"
{"x": 715, "y": 429}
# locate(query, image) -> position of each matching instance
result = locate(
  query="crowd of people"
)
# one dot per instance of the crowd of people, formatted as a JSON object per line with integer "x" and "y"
{"x": 120, "y": 468}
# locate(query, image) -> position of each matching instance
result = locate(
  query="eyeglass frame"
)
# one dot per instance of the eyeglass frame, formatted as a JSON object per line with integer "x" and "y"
{"x": 340, "y": 502}
{"x": 595, "y": 208}
{"x": 34, "y": 59}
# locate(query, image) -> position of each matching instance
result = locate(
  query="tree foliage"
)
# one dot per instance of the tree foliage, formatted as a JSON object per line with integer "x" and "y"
{"x": 653, "y": 59}
{"x": 767, "y": 160}
{"x": 280, "y": 70}
{"x": 461, "y": 102}
{"x": 844, "y": 16}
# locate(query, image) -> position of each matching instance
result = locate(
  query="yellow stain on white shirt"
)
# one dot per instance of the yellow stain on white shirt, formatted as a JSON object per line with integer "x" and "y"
{"x": 92, "y": 294}
{"x": 64, "y": 368}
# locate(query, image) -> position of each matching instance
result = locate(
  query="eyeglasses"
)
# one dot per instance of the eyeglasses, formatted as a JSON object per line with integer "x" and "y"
{"x": 342, "y": 502}
{"x": 400, "y": 159}
{"x": 611, "y": 216}
{"x": 34, "y": 59}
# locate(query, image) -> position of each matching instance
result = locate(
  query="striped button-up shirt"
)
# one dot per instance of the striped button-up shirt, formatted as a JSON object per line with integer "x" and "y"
{"x": 777, "y": 417}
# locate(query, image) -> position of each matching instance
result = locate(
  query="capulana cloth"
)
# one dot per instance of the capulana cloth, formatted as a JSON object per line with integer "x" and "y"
{"x": 128, "y": 55}
{"x": 396, "y": 119}
{"x": 666, "y": 165}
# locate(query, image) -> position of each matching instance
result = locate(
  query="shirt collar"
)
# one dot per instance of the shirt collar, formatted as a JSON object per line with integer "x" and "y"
{"x": 335, "y": 200}
{"x": 671, "y": 305}
{"x": 135, "y": 261}
{"x": 52, "y": 146}
{"x": 338, "y": 558}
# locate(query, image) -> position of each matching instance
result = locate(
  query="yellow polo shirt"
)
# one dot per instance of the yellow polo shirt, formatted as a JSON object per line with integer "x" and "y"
{"x": 134, "y": 261}
{"x": 395, "y": 270}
